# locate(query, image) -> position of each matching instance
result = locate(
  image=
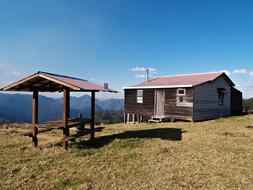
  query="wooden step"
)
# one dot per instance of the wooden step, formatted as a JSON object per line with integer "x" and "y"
{"x": 154, "y": 121}
{"x": 157, "y": 118}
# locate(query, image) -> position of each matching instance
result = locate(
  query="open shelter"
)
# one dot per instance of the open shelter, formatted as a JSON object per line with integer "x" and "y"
{"x": 48, "y": 82}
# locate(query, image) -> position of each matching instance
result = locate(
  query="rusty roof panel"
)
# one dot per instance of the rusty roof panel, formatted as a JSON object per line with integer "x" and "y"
{"x": 190, "y": 80}
{"x": 80, "y": 83}
{"x": 72, "y": 83}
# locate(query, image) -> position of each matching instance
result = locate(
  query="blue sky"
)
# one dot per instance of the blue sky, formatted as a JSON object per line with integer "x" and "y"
{"x": 102, "y": 41}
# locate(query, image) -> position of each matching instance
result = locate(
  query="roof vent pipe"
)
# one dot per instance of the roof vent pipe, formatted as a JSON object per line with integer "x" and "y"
{"x": 106, "y": 86}
{"x": 147, "y": 75}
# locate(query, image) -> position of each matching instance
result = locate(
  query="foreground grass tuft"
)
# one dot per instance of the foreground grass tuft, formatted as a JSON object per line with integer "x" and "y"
{"x": 215, "y": 154}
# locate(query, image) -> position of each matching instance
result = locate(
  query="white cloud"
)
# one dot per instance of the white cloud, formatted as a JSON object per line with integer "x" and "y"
{"x": 246, "y": 88}
{"x": 3, "y": 83}
{"x": 240, "y": 72}
{"x": 8, "y": 75}
{"x": 138, "y": 69}
{"x": 142, "y": 69}
{"x": 152, "y": 70}
{"x": 140, "y": 76}
{"x": 7, "y": 71}
{"x": 251, "y": 73}
{"x": 227, "y": 72}
{"x": 13, "y": 73}
{"x": 141, "y": 72}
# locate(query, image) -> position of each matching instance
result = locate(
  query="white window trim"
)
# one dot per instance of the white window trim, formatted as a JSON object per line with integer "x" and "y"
{"x": 139, "y": 99}
{"x": 179, "y": 90}
{"x": 155, "y": 87}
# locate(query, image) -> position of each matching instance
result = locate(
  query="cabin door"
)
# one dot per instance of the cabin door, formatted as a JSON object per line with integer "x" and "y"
{"x": 159, "y": 103}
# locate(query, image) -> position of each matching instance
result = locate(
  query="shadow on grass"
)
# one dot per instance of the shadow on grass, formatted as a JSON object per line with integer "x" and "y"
{"x": 171, "y": 134}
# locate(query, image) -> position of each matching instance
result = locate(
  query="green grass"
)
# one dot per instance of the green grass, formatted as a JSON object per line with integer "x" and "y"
{"x": 215, "y": 154}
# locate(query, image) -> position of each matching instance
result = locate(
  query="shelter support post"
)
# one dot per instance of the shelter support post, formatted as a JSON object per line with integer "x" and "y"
{"x": 35, "y": 117}
{"x": 125, "y": 118}
{"x": 92, "y": 122}
{"x": 81, "y": 127}
{"x": 66, "y": 95}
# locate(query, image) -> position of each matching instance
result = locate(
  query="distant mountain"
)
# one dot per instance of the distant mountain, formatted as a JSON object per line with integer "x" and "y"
{"x": 18, "y": 107}
{"x": 111, "y": 104}
{"x": 83, "y": 104}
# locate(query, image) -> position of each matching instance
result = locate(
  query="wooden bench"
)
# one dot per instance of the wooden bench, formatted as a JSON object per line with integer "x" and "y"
{"x": 82, "y": 133}
{"x": 58, "y": 124}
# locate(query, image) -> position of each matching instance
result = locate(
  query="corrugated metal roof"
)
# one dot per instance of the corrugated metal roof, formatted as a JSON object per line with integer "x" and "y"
{"x": 81, "y": 83}
{"x": 178, "y": 81}
{"x": 72, "y": 83}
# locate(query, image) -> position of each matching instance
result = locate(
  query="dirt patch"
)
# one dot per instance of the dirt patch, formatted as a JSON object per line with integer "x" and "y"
{"x": 228, "y": 134}
{"x": 48, "y": 138}
{"x": 249, "y": 127}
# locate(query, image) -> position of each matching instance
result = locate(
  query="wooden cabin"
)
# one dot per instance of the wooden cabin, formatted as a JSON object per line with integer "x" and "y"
{"x": 193, "y": 97}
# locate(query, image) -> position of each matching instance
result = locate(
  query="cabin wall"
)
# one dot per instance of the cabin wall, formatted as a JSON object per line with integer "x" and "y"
{"x": 173, "y": 107}
{"x": 236, "y": 102}
{"x": 206, "y": 101}
{"x": 146, "y": 108}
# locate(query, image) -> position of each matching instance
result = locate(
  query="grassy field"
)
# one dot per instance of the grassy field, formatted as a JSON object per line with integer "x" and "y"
{"x": 214, "y": 154}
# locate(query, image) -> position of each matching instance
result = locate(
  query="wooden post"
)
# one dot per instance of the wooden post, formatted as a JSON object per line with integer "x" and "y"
{"x": 125, "y": 118}
{"x": 65, "y": 117}
{"x": 92, "y": 123}
{"x": 82, "y": 124}
{"x": 128, "y": 117}
{"x": 141, "y": 118}
{"x": 35, "y": 117}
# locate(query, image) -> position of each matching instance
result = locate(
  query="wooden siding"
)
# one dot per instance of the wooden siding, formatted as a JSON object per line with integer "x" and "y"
{"x": 206, "y": 105}
{"x": 146, "y": 108}
{"x": 236, "y": 102}
{"x": 173, "y": 108}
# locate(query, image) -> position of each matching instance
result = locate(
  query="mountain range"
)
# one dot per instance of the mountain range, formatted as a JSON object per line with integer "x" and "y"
{"x": 18, "y": 107}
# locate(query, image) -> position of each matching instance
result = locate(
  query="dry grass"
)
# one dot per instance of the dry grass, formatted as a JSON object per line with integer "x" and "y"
{"x": 215, "y": 154}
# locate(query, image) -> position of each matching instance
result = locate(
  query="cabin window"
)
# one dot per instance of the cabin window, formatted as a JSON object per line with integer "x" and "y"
{"x": 181, "y": 92}
{"x": 140, "y": 96}
{"x": 183, "y": 100}
{"x": 221, "y": 95}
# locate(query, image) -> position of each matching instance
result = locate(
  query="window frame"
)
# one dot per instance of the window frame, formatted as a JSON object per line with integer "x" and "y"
{"x": 221, "y": 96}
{"x": 179, "y": 89}
{"x": 139, "y": 96}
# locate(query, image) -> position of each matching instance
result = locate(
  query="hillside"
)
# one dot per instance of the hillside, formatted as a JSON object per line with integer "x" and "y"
{"x": 248, "y": 105}
{"x": 18, "y": 107}
{"x": 205, "y": 155}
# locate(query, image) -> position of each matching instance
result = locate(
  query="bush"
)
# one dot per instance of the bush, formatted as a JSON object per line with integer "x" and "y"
{"x": 109, "y": 117}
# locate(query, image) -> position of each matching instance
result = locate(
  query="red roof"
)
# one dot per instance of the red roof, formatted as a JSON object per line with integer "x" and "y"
{"x": 81, "y": 83}
{"x": 190, "y": 80}
{"x": 53, "y": 82}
